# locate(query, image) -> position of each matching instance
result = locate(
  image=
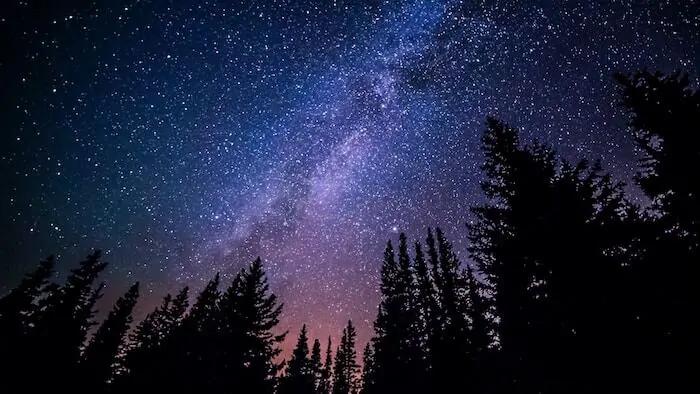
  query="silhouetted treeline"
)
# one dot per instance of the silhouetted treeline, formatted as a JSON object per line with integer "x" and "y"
{"x": 569, "y": 288}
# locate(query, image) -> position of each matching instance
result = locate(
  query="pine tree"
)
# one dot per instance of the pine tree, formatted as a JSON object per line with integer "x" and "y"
{"x": 18, "y": 306}
{"x": 452, "y": 350}
{"x": 325, "y": 382}
{"x": 368, "y": 373}
{"x": 145, "y": 361}
{"x": 17, "y": 311}
{"x": 299, "y": 376}
{"x": 253, "y": 313}
{"x": 346, "y": 368}
{"x": 664, "y": 119}
{"x": 665, "y": 115}
{"x": 401, "y": 364}
{"x": 544, "y": 228}
{"x": 101, "y": 353}
{"x": 190, "y": 349}
{"x": 61, "y": 326}
{"x": 315, "y": 363}
{"x": 479, "y": 333}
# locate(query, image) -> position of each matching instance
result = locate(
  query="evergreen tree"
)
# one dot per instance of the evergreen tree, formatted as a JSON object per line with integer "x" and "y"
{"x": 61, "y": 326}
{"x": 253, "y": 313}
{"x": 299, "y": 376}
{"x": 144, "y": 362}
{"x": 17, "y": 310}
{"x": 315, "y": 363}
{"x": 543, "y": 230}
{"x": 190, "y": 350}
{"x": 400, "y": 363}
{"x": 479, "y": 334}
{"x": 428, "y": 307}
{"x": 453, "y": 350}
{"x": 368, "y": 373}
{"x": 19, "y": 305}
{"x": 101, "y": 353}
{"x": 346, "y": 368}
{"x": 325, "y": 382}
{"x": 665, "y": 115}
{"x": 664, "y": 119}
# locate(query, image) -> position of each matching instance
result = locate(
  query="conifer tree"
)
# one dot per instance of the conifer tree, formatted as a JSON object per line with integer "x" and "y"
{"x": 325, "y": 382}
{"x": 145, "y": 361}
{"x": 315, "y": 363}
{"x": 544, "y": 228}
{"x": 397, "y": 342}
{"x": 346, "y": 368}
{"x": 452, "y": 350}
{"x": 61, "y": 326}
{"x": 189, "y": 350}
{"x": 479, "y": 333}
{"x": 664, "y": 114}
{"x": 19, "y": 305}
{"x": 428, "y": 307}
{"x": 368, "y": 373}
{"x": 101, "y": 354}
{"x": 17, "y": 310}
{"x": 299, "y": 376}
{"x": 253, "y": 313}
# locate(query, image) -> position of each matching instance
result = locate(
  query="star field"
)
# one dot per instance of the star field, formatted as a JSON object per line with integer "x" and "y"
{"x": 186, "y": 138}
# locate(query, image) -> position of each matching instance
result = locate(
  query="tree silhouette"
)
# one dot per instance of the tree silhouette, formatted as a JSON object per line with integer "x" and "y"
{"x": 325, "y": 382}
{"x": 61, "y": 325}
{"x": 299, "y": 376}
{"x": 545, "y": 227}
{"x": 346, "y": 368}
{"x": 368, "y": 372}
{"x": 255, "y": 312}
{"x": 100, "y": 355}
{"x": 315, "y": 364}
{"x": 145, "y": 362}
{"x": 18, "y": 310}
{"x": 664, "y": 119}
{"x": 400, "y": 362}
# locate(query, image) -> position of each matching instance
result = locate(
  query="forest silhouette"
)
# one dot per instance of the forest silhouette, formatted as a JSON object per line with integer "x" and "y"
{"x": 570, "y": 287}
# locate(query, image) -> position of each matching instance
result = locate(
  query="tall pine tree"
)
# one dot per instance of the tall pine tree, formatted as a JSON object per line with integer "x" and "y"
{"x": 61, "y": 326}
{"x": 299, "y": 376}
{"x": 325, "y": 383}
{"x": 346, "y": 367}
{"x": 664, "y": 121}
{"x": 316, "y": 364}
{"x": 97, "y": 363}
{"x": 17, "y": 311}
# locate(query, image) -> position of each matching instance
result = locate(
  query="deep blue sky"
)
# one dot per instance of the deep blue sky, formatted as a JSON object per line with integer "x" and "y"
{"x": 186, "y": 138}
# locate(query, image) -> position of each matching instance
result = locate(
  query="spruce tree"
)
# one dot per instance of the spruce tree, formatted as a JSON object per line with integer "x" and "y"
{"x": 452, "y": 351}
{"x": 17, "y": 310}
{"x": 101, "y": 353}
{"x": 299, "y": 376}
{"x": 368, "y": 373}
{"x": 253, "y": 312}
{"x": 346, "y": 368}
{"x": 145, "y": 361}
{"x": 325, "y": 382}
{"x": 315, "y": 363}
{"x": 61, "y": 326}
{"x": 480, "y": 329}
{"x": 664, "y": 114}
{"x": 544, "y": 228}
{"x": 401, "y": 364}
{"x": 190, "y": 350}
{"x": 19, "y": 305}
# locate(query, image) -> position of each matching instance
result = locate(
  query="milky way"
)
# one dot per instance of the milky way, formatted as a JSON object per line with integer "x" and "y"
{"x": 186, "y": 138}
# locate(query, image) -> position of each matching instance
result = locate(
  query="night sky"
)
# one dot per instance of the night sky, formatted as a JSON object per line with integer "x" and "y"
{"x": 186, "y": 138}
